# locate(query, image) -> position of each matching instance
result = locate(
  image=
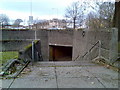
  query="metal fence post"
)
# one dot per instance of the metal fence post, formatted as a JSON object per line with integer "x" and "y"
{"x": 99, "y": 49}
{"x": 33, "y": 56}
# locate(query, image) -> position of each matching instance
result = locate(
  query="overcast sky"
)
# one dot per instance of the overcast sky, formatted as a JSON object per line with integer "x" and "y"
{"x": 41, "y": 9}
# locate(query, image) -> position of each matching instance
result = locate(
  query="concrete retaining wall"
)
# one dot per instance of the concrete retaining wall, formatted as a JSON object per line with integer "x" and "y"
{"x": 60, "y": 37}
{"x": 17, "y": 35}
{"x": 79, "y": 44}
{"x": 83, "y": 42}
{"x": 26, "y": 53}
{"x": 17, "y": 40}
{"x": 14, "y": 45}
{"x": 43, "y": 36}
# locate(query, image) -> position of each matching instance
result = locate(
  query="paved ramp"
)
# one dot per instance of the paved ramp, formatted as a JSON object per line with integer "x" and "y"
{"x": 64, "y": 75}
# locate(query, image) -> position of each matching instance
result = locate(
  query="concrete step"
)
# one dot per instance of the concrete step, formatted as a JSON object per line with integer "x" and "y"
{"x": 63, "y": 63}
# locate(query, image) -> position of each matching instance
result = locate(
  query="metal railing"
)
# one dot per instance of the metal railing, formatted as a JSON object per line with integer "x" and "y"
{"x": 99, "y": 54}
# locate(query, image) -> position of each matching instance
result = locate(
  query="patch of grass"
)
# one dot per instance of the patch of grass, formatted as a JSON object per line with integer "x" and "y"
{"x": 5, "y": 56}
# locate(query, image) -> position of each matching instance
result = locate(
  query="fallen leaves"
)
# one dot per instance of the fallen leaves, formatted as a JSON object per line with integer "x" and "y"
{"x": 26, "y": 70}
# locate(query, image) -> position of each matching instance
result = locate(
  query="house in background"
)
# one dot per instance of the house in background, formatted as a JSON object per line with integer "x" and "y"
{"x": 50, "y": 24}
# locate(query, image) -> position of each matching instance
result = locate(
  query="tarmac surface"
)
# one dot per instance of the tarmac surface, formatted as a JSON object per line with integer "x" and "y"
{"x": 70, "y": 74}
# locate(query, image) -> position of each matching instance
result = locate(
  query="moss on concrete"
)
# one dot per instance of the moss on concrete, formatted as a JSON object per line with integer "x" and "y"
{"x": 30, "y": 45}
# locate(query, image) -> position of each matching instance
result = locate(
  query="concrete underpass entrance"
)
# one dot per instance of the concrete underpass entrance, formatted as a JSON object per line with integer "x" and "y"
{"x": 60, "y": 53}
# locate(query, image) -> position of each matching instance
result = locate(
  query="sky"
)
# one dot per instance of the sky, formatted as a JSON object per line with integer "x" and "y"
{"x": 41, "y": 9}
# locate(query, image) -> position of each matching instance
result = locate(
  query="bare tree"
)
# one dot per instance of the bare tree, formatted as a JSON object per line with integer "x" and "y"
{"x": 93, "y": 21}
{"x": 116, "y": 19}
{"x": 75, "y": 13}
{"x": 4, "y": 20}
{"x": 103, "y": 18}
{"x": 106, "y": 11}
{"x": 17, "y": 22}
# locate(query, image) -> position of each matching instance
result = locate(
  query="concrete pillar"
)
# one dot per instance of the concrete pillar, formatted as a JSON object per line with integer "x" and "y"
{"x": 113, "y": 52}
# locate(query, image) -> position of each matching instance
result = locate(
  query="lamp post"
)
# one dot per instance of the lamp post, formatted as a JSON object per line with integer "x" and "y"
{"x": 30, "y": 17}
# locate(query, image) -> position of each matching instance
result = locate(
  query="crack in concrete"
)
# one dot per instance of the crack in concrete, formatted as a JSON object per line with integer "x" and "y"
{"x": 11, "y": 84}
{"x": 56, "y": 76}
{"x": 97, "y": 79}
{"x": 100, "y": 82}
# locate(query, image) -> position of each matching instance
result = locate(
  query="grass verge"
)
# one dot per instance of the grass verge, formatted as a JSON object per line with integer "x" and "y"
{"x": 5, "y": 56}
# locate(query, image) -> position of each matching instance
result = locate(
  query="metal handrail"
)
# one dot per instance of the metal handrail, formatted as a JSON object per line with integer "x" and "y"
{"x": 98, "y": 42}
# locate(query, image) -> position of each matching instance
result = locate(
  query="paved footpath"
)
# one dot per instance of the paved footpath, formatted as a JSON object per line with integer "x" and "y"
{"x": 64, "y": 75}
